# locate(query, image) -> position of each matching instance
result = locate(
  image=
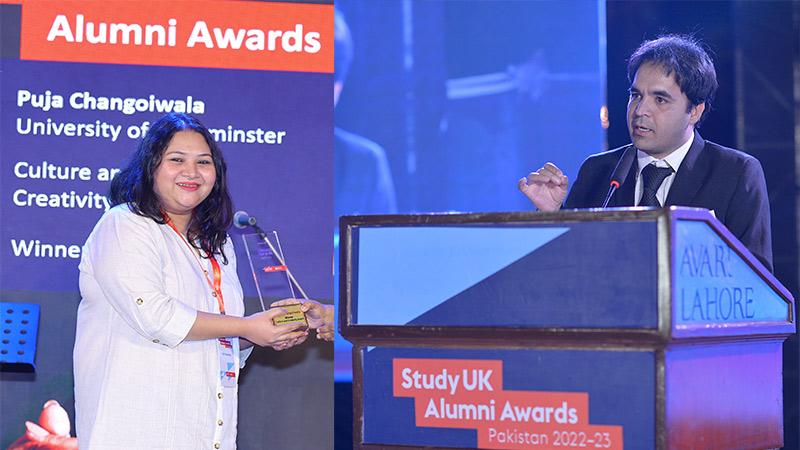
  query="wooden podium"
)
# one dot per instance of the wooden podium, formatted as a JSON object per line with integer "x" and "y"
{"x": 622, "y": 328}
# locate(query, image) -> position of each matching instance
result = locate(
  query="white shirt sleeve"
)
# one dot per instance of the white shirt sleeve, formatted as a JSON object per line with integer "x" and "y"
{"x": 123, "y": 257}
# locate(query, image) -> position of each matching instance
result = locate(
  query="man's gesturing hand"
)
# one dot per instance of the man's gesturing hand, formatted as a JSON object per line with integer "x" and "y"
{"x": 546, "y": 188}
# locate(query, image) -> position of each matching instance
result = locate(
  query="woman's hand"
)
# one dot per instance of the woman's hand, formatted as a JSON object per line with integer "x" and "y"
{"x": 319, "y": 316}
{"x": 260, "y": 330}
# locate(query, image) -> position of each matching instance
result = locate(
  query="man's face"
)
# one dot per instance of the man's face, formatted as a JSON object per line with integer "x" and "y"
{"x": 658, "y": 121}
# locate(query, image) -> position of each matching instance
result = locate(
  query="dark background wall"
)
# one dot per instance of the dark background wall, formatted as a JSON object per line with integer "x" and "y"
{"x": 756, "y": 49}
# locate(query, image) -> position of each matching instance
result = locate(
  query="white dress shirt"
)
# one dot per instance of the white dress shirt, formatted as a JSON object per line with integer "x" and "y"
{"x": 673, "y": 160}
{"x": 138, "y": 384}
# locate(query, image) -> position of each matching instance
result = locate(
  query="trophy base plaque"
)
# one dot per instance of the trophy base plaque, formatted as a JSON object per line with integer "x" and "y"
{"x": 294, "y": 315}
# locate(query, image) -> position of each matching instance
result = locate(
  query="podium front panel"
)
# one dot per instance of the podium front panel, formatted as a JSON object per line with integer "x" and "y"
{"x": 570, "y": 275}
{"x": 508, "y": 398}
{"x": 718, "y": 291}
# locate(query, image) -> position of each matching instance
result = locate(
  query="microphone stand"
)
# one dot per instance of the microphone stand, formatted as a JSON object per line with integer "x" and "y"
{"x": 611, "y": 190}
{"x": 620, "y": 172}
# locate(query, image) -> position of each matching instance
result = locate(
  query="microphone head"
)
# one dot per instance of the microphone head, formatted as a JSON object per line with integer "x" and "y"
{"x": 243, "y": 220}
{"x": 623, "y": 167}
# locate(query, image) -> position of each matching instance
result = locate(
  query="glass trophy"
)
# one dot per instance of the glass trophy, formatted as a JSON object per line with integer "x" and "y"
{"x": 274, "y": 280}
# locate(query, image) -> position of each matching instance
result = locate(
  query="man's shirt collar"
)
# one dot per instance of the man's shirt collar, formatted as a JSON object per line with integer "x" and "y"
{"x": 673, "y": 160}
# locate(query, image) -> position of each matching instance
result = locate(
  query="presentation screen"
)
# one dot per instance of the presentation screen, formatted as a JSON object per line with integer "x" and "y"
{"x": 81, "y": 84}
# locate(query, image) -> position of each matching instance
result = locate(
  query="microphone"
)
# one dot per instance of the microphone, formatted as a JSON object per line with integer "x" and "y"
{"x": 243, "y": 220}
{"x": 620, "y": 172}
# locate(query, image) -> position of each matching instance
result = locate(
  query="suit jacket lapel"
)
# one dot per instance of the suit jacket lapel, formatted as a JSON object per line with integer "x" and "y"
{"x": 691, "y": 174}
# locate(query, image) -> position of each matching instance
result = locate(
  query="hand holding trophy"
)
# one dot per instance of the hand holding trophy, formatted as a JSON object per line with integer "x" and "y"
{"x": 318, "y": 316}
{"x": 274, "y": 280}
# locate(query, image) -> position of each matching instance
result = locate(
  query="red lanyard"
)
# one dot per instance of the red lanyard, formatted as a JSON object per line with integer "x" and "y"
{"x": 215, "y": 285}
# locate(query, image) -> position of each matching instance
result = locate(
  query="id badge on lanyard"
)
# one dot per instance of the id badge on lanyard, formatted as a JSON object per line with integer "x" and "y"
{"x": 227, "y": 361}
{"x": 225, "y": 349}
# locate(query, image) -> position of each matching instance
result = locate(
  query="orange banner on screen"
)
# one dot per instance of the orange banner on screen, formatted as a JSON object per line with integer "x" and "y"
{"x": 213, "y": 34}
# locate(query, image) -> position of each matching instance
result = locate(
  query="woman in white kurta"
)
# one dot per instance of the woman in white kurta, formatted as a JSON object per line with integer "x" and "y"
{"x": 157, "y": 351}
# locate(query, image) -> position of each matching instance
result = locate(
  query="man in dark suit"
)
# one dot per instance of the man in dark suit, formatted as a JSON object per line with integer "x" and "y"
{"x": 673, "y": 82}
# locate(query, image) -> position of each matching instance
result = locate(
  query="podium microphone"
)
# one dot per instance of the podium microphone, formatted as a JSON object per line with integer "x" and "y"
{"x": 620, "y": 172}
{"x": 243, "y": 220}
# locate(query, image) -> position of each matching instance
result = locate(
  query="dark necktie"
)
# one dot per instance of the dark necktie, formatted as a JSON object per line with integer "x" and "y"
{"x": 652, "y": 177}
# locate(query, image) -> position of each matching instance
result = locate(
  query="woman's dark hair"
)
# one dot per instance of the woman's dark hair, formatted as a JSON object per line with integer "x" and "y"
{"x": 134, "y": 185}
{"x": 685, "y": 57}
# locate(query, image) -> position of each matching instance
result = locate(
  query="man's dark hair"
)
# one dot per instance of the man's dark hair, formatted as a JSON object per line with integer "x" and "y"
{"x": 134, "y": 185}
{"x": 342, "y": 47}
{"x": 685, "y": 57}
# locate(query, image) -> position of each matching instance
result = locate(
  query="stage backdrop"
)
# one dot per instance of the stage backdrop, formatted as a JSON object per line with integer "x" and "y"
{"x": 81, "y": 82}
{"x": 453, "y": 102}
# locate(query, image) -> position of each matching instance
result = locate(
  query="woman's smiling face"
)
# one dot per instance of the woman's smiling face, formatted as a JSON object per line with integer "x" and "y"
{"x": 185, "y": 176}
